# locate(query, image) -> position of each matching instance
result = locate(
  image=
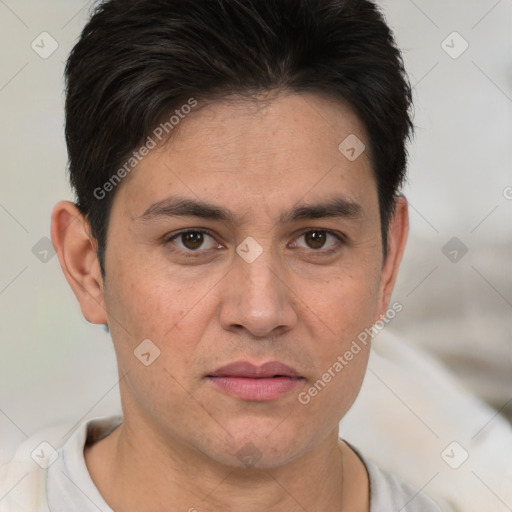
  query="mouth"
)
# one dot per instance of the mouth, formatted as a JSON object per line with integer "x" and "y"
{"x": 247, "y": 381}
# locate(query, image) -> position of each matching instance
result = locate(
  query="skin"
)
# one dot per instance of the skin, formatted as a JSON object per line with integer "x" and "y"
{"x": 177, "y": 447}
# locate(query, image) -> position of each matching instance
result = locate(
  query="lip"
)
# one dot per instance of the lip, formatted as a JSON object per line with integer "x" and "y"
{"x": 249, "y": 370}
{"x": 247, "y": 381}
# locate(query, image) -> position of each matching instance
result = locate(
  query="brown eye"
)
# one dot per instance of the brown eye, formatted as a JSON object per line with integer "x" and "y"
{"x": 315, "y": 239}
{"x": 192, "y": 240}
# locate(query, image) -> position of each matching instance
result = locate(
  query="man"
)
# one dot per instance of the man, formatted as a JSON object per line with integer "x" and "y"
{"x": 238, "y": 225}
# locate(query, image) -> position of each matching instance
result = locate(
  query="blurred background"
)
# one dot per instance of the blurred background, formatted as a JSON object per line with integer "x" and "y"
{"x": 455, "y": 283}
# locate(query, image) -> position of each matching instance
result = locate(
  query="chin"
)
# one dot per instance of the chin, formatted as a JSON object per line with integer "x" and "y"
{"x": 261, "y": 445}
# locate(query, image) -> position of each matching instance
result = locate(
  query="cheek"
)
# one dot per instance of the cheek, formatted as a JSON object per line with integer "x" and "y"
{"x": 151, "y": 304}
{"x": 335, "y": 389}
{"x": 344, "y": 312}
{"x": 347, "y": 304}
{"x": 142, "y": 307}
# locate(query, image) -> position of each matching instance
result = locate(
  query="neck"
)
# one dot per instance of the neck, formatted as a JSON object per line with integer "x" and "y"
{"x": 134, "y": 470}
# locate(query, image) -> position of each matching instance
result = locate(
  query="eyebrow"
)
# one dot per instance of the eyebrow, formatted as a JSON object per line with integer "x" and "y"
{"x": 175, "y": 206}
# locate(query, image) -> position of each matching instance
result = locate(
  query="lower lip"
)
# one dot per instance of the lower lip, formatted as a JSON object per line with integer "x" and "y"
{"x": 263, "y": 389}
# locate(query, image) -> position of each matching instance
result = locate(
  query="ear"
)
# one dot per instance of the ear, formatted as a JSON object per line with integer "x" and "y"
{"x": 76, "y": 250}
{"x": 397, "y": 238}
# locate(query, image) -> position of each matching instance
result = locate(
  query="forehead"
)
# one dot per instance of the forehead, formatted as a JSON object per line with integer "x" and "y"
{"x": 238, "y": 150}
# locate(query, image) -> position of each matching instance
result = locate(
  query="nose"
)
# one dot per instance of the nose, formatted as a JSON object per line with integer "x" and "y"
{"x": 258, "y": 297}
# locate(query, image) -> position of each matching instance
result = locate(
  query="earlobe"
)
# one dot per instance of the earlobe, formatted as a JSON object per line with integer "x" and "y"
{"x": 76, "y": 250}
{"x": 397, "y": 238}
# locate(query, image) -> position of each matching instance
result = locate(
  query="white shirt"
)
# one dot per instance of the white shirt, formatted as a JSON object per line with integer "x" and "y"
{"x": 42, "y": 478}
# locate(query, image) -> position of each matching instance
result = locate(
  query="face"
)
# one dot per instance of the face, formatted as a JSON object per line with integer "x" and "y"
{"x": 288, "y": 268}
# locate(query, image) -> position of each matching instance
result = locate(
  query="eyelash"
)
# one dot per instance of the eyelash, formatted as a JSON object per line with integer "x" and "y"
{"x": 198, "y": 253}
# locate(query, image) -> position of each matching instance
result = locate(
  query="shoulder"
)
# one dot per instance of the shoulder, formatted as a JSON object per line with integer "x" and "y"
{"x": 24, "y": 479}
{"x": 389, "y": 493}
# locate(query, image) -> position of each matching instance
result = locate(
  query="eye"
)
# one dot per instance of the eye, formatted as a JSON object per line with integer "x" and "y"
{"x": 192, "y": 243}
{"x": 193, "y": 240}
{"x": 316, "y": 239}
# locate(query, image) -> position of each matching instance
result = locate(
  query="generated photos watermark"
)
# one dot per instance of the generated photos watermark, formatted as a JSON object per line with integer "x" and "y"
{"x": 343, "y": 360}
{"x": 157, "y": 135}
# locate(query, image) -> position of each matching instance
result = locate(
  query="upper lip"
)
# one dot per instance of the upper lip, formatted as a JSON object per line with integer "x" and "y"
{"x": 247, "y": 369}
